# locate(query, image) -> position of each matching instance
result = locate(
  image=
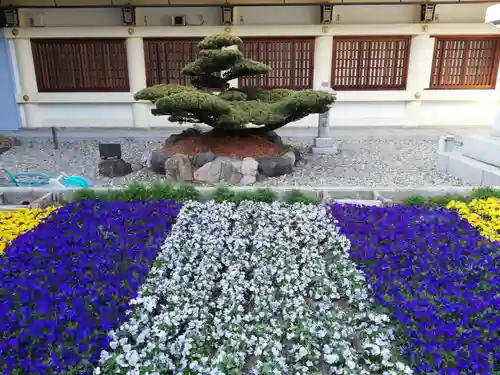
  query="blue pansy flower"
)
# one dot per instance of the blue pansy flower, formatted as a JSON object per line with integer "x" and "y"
{"x": 66, "y": 283}
{"x": 440, "y": 278}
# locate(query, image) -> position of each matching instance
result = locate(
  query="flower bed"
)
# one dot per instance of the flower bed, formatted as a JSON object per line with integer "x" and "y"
{"x": 255, "y": 288}
{"x": 15, "y": 223}
{"x": 441, "y": 280}
{"x": 251, "y": 287}
{"x": 66, "y": 283}
{"x": 483, "y": 214}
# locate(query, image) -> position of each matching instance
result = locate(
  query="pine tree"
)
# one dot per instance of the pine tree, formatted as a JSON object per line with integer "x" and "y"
{"x": 232, "y": 109}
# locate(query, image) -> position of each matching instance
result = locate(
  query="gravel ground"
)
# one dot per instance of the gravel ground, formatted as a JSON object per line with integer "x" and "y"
{"x": 360, "y": 162}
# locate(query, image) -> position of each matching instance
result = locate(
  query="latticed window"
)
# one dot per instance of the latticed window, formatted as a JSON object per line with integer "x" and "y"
{"x": 370, "y": 63}
{"x": 291, "y": 61}
{"x": 76, "y": 65}
{"x": 465, "y": 63}
{"x": 165, "y": 59}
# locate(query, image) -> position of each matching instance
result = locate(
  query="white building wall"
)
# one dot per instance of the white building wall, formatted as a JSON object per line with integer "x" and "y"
{"x": 415, "y": 106}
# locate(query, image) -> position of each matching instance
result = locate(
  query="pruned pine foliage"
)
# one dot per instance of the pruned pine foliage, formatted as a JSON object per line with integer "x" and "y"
{"x": 210, "y": 101}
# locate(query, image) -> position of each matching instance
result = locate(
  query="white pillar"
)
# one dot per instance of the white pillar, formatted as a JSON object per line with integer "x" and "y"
{"x": 27, "y": 78}
{"x": 420, "y": 63}
{"x": 323, "y": 52}
{"x": 15, "y": 66}
{"x": 495, "y": 130}
{"x": 136, "y": 64}
{"x": 137, "y": 79}
{"x": 413, "y": 117}
{"x": 419, "y": 74}
{"x": 26, "y": 66}
{"x": 234, "y": 82}
{"x": 493, "y": 16}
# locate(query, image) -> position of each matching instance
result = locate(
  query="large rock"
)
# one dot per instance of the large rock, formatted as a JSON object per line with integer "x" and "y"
{"x": 6, "y": 143}
{"x": 157, "y": 158}
{"x": 248, "y": 180}
{"x": 202, "y": 158}
{"x": 174, "y": 138}
{"x": 272, "y": 166}
{"x": 230, "y": 171}
{"x": 179, "y": 168}
{"x": 274, "y": 138}
{"x": 224, "y": 168}
{"x": 249, "y": 167}
{"x": 225, "y": 158}
{"x": 298, "y": 155}
{"x": 291, "y": 156}
{"x": 114, "y": 168}
{"x": 210, "y": 172}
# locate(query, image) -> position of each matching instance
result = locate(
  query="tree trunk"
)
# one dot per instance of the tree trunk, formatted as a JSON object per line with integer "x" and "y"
{"x": 254, "y": 131}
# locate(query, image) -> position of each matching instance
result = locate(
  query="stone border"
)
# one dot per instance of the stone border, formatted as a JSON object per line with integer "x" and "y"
{"x": 208, "y": 167}
{"x": 44, "y": 196}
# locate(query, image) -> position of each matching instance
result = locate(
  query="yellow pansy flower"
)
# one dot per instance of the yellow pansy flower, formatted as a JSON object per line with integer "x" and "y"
{"x": 483, "y": 214}
{"x": 15, "y": 223}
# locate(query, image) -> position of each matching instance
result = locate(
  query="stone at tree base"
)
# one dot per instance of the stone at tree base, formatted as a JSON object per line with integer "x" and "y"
{"x": 158, "y": 158}
{"x": 173, "y": 139}
{"x": 210, "y": 172}
{"x": 260, "y": 177}
{"x": 236, "y": 163}
{"x": 230, "y": 173}
{"x": 248, "y": 180}
{"x": 114, "y": 168}
{"x": 273, "y": 166}
{"x": 222, "y": 168}
{"x": 291, "y": 156}
{"x": 298, "y": 155}
{"x": 224, "y": 158}
{"x": 203, "y": 158}
{"x": 179, "y": 168}
{"x": 233, "y": 171}
{"x": 249, "y": 167}
{"x": 274, "y": 138}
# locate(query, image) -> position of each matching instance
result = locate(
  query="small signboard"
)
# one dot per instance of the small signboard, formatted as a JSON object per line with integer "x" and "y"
{"x": 110, "y": 151}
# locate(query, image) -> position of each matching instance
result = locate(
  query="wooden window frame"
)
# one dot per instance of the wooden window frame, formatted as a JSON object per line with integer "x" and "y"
{"x": 406, "y": 57}
{"x": 43, "y": 76}
{"x": 437, "y": 63}
{"x": 147, "y": 41}
{"x": 310, "y": 68}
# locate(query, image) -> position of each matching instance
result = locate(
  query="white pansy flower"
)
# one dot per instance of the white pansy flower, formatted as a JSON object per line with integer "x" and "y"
{"x": 268, "y": 287}
{"x": 350, "y": 364}
{"x": 331, "y": 358}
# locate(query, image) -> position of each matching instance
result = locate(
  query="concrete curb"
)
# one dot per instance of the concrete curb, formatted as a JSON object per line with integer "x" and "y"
{"x": 44, "y": 196}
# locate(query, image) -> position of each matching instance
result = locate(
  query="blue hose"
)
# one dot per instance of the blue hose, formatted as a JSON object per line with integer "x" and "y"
{"x": 75, "y": 181}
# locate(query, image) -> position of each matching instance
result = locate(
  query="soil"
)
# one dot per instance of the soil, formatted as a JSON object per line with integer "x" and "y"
{"x": 229, "y": 145}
